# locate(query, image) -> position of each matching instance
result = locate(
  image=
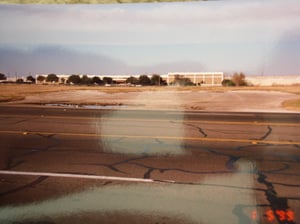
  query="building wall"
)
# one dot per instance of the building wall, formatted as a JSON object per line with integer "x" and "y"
{"x": 198, "y": 78}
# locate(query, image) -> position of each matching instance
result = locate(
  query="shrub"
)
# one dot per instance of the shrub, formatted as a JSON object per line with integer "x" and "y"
{"x": 227, "y": 82}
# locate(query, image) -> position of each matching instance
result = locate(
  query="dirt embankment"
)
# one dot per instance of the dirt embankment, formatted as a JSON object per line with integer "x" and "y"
{"x": 276, "y": 99}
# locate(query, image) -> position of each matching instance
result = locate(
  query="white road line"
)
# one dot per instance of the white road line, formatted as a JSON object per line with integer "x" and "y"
{"x": 82, "y": 176}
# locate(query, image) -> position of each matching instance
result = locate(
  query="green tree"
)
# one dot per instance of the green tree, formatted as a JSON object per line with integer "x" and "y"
{"x": 30, "y": 79}
{"x": 41, "y": 78}
{"x": 52, "y": 78}
{"x": 85, "y": 80}
{"x": 74, "y": 79}
{"x": 132, "y": 80}
{"x": 108, "y": 80}
{"x": 2, "y": 76}
{"x": 157, "y": 80}
{"x": 239, "y": 79}
{"x": 227, "y": 82}
{"x": 144, "y": 80}
{"x": 97, "y": 80}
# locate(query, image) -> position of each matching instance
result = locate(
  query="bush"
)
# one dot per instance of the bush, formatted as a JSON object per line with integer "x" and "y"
{"x": 227, "y": 82}
{"x": 182, "y": 81}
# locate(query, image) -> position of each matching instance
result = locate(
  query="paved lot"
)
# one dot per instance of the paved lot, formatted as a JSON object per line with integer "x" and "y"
{"x": 148, "y": 166}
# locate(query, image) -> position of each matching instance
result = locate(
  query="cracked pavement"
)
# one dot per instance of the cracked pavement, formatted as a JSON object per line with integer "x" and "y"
{"x": 246, "y": 166}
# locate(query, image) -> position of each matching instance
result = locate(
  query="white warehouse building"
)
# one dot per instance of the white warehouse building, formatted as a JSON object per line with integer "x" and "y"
{"x": 198, "y": 78}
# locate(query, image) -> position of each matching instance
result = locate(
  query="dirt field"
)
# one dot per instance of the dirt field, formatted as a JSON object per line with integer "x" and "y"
{"x": 277, "y": 99}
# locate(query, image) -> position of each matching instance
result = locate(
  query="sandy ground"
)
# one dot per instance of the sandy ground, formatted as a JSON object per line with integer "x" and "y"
{"x": 241, "y": 100}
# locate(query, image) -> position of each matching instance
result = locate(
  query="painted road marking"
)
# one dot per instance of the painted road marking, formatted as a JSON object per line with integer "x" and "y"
{"x": 206, "y": 139}
{"x": 254, "y": 123}
{"x": 82, "y": 176}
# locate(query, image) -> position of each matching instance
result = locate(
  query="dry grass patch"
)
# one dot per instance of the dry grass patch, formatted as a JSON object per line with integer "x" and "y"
{"x": 13, "y": 92}
{"x": 292, "y": 104}
{"x": 8, "y": 98}
{"x": 29, "y": 89}
{"x": 295, "y": 89}
{"x": 19, "y": 91}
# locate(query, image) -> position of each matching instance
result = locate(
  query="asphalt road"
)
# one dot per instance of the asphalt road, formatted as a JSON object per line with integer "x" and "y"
{"x": 61, "y": 165}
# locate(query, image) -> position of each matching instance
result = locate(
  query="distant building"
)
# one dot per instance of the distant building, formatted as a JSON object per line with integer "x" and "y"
{"x": 198, "y": 78}
{"x": 273, "y": 80}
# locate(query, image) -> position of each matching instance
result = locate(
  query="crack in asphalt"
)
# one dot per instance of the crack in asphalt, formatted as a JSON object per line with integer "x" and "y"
{"x": 271, "y": 195}
{"x": 200, "y": 130}
{"x": 45, "y": 136}
{"x": 150, "y": 169}
{"x": 251, "y": 146}
{"x": 232, "y": 159}
{"x": 285, "y": 167}
{"x": 230, "y": 164}
{"x": 11, "y": 164}
{"x": 266, "y": 134}
{"x": 297, "y": 146}
{"x": 24, "y": 120}
{"x": 113, "y": 165}
{"x": 12, "y": 161}
{"x": 276, "y": 203}
{"x": 31, "y": 184}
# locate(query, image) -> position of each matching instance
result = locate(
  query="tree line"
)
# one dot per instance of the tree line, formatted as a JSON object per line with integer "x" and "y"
{"x": 85, "y": 80}
{"x": 237, "y": 79}
{"x": 29, "y": 79}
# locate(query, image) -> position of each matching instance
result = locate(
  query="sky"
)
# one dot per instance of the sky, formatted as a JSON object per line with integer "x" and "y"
{"x": 255, "y": 37}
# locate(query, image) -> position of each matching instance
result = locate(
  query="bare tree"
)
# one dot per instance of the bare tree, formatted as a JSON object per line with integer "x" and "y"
{"x": 239, "y": 79}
